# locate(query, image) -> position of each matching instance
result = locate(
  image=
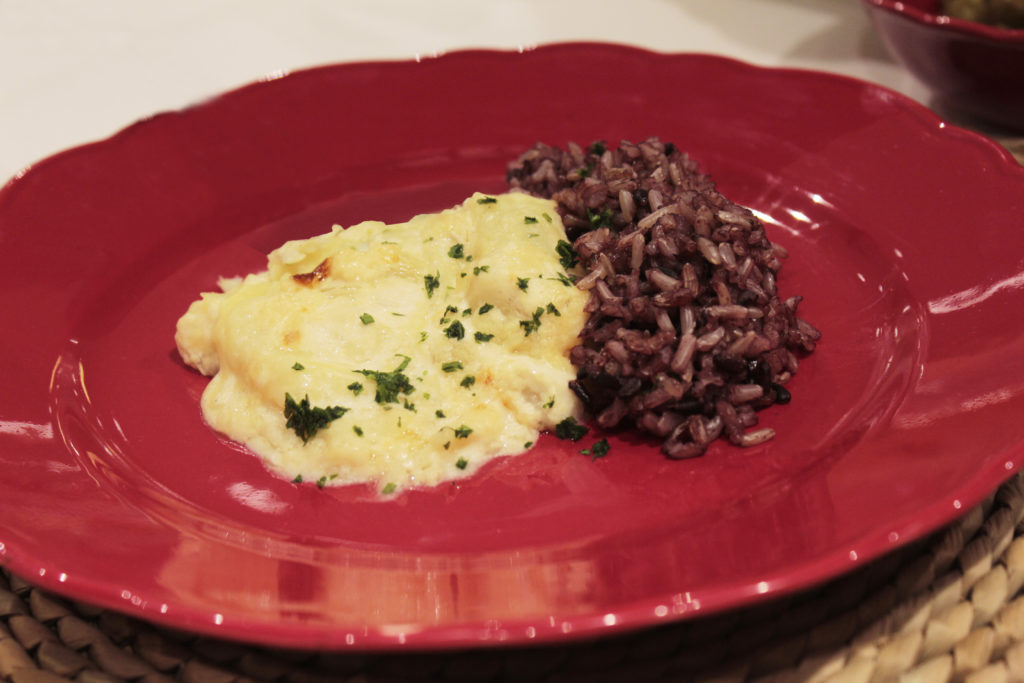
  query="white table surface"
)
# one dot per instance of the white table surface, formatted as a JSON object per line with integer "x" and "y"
{"x": 75, "y": 71}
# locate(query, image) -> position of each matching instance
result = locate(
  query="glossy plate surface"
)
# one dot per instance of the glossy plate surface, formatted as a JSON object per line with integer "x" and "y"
{"x": 905, "y": 239}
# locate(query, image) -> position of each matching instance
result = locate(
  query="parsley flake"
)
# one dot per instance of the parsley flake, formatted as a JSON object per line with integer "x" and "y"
{"x": 570, "y": 429}
{"x": 306, "y": 420}
{"x": 439, "y": 413}
{"x": 546, "y": 216}
{"x": 431, "y": 282}
{"x": 485, "y": 308}
{"x": 297, "y": 479}
{"x": 455, "y": 331}
{"x": 463, "y": 432}
{"x": 597, "y": 148}
{"x": 530, "y": 326}
{"x": 457, "y": 251}
{"x": 602, "y": 219}
{"x": 598, "y": 450}
{"x": 529, "y": 220}
{"x": 461, "y": 463}
{"x": 357, "y": 429}
{"x": 480, "y": 269}
{"x": 566, "y": 254}
{"x": 444, "y": 318}
{"x": 467, "y": 381}
{"x": 451, "y": 366}
{"x": 552, "y": 310}
{"x": 298, "y": 366}
{"x": 355, "y": 388}
{"x": 366, "y": 318}
{"x": 482, "y": 337}
{"x": 389, "y": 488}
{"x": 487, "y": 200}
{"x": 322, "y": 481}
{"x": 565, "y": 280}
{"x": 528, "y": 445}
{"x": 522, "y": 283}
{"x": 390, "y": 384}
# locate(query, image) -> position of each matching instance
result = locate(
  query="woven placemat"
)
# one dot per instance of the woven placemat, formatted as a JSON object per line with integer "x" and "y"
{"x": 949, "y": 607}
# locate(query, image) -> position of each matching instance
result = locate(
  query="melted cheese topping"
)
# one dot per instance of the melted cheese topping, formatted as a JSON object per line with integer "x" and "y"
{"x": 442, "y": 342}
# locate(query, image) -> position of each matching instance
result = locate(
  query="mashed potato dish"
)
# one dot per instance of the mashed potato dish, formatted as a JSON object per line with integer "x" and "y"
{"x": 401, "y": 355}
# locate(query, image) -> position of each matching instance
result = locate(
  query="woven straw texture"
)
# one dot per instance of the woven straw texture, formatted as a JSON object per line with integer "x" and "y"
{"x": 948, "y": 608}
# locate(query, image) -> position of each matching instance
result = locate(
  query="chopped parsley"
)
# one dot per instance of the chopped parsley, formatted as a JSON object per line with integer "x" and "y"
{"x": 366, "y": 318}
{"x": 297, "y": 479}
{"x": 566, "y": 254}
{"x": 546, "y": 216}
{"x": 389, "y": 488}
{"x": 466, "y": 312}
{"x": 322, "y": 481}
{"x": 457, "y": 251}
{"x": 552, "y": 310}
{"x": 565, "y": 280}
{"x": 550, "y": 403}
{"x": 451, "y": 366}
{"x": 431, "y": 282}
{"x": 444, "y": 318}
{"x": 480, "y": 269}
{"x": 356, "y": 388}
{"x": 461, "y": 463}
{"x": 455, "y": 331}
{"x": 586, "y": 170}
{"x": 487, "y": 200}
{"x": 484, "y": 309}
{"x": 601, "y": 219}
{"x": 306, "y": 420}
{"x": 530, "y": 326}
{"x": 528, "y": 445}
{"x": 463, "y": 432}
{"x": 357, "y": 429}
{"x": 467, "y": 381}
{"x": 390, "y": 384}
{"x": 439, "y": 413}
{"x": 597, "y": 148}
{"x": 298, "y": 366}
{"x": 529, "y": 220}
{"x": 598, "y": 450}
{"x": 522, "y": 283}
{"x": 570, "y": 429}
{"x": 482, "y": 337}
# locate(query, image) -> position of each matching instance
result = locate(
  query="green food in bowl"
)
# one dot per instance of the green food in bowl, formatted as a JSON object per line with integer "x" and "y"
{"x": 1002, "y": 13}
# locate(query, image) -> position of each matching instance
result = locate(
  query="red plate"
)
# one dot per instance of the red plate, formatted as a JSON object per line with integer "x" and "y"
{"x": 905, "y": 237}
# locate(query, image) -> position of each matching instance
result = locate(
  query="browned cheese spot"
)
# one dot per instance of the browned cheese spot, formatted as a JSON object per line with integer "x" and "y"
{"x": 318, "y": 274}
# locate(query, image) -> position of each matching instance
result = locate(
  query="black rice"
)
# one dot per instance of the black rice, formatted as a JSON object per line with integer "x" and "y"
{"x": 687, "y": 336}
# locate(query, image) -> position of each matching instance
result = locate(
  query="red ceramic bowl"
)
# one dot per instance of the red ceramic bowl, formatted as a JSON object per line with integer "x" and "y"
{"x": 972, "y": 68}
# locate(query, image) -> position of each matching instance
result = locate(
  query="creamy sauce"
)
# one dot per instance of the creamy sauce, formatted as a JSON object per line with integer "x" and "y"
{"x": 431, "y": 346}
